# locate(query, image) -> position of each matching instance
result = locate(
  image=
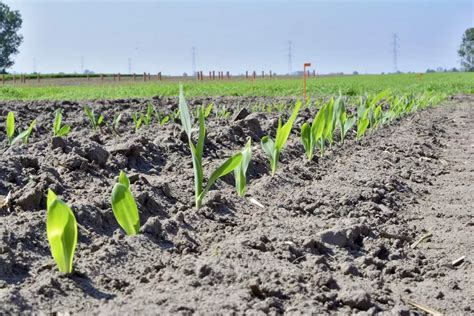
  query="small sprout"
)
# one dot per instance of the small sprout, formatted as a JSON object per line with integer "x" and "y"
{"x": 313, "y": 135}
{"x": 137, "y": 120}
{"x": 208, "y": 110}
{"x": 116, "y": 124}
{"x": 25, "y": 135}
{"x": 59, "y": 130}
{"x": 61, "y": 228}
{"x": 197, "y": 150}
{"x": 149, "y": 115}
{"x": 124, "y": 206}
{"x": 240, "y": 173}
{"x": 274, "y": 148}
{"x": 95, "y": 122}
{"x": 10, "y": 127}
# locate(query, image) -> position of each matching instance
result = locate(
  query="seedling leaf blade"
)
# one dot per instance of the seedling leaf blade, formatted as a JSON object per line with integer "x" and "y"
{"x": 124, "y": 206}
{"x": 184, "y": 113}
{"x": 61, "y": 228}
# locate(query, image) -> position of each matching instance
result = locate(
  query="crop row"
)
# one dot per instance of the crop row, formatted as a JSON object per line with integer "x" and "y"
{"x": 332, "y": 116}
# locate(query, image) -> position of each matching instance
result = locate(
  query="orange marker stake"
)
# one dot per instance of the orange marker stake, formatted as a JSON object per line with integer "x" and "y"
{"x": 304, "y": 79}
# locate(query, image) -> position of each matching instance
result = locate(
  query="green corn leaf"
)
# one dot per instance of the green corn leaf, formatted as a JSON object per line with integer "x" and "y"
{"x": 319, "y": 123}
{"x": 227, "y": 167}
{"x": 124, "y": 206}
{"x": 61, "y": 228}
{"x": 268, "y": 146}
{"x": 184, "y": 113}
{"x": 284, "y": 132}
{"x": 348, "y": 124}
{"x": 64, "y": 131}
{"x": 208, "y": 110}
{"x": 306, "y": 138}
{"x": 164, "y": 120}
{"x": 10, "y": 126}
{"x": 100, "y": 120}
{"x": 91, "y": 115}
{"x": 24, "y": 136}
{"x": 362, "y": 125}
{"x": 240, "y": 173}
{"x": 57, "y": 122}
{"x": 202, "y": 135}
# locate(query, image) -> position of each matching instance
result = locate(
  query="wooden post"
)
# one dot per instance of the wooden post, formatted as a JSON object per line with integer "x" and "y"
{"x": 159, "y": 76}
{"x": 118, "y": 76}
{"x": 198, "y": 75}
{"x": 213, "y": 75}
{"x": 228, "y": 75}
{"x": 270, "y": 73}
{"x": 254, "y": 74}
{"x": 246, "y": 74}
{"x": 38, "y": 78}
{"x": 202, "y": 78}
{"x": 144, "y": 76}
{"x": 149, "y": 76}
{"x": 314, "y": 73}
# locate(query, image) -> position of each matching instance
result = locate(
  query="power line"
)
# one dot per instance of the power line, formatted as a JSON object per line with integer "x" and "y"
{"x": 290, "y": 57}
{"x": 396, "y": 46}
{"x": 194, "y": 60}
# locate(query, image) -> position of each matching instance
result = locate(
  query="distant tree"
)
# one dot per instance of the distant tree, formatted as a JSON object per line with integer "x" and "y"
{"x": 10, "y": 40}
{"x": 355, "y": 73}
{"x": 429, "y": 70}
{"x": 466, "y": 50}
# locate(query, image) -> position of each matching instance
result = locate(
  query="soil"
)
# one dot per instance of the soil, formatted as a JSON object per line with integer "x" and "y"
{"x": 334, "y": 235}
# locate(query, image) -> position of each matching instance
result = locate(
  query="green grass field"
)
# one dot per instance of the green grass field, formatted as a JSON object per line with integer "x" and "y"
{"x": 448, "y": 83}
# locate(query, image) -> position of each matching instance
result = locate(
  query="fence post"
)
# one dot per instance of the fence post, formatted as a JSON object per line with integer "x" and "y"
{"x": 263, "y": 74}
{"x": 213, "y": 75}
{"x": 144, "y": 76}
{"x": 254, "y": 74}
{"x": 246, "y": 74}
{"x": 38, "y": 78}
{"x": 118, "y": 76}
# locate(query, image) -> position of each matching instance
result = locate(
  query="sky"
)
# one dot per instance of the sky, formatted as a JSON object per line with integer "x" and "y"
{"x": 334, "y": 36}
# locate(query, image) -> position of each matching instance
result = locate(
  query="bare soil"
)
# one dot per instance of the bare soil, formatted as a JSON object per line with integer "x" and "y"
{"x": 334, "y": 235}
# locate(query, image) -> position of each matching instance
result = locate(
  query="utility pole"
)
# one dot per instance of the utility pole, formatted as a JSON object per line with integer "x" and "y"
{"x": 194, "y": 60}
{"x": 290, "y": 57}
{"x": 129, "y": 66}
{"x": 82, "y": 64}
{"x": 396, "y": 46}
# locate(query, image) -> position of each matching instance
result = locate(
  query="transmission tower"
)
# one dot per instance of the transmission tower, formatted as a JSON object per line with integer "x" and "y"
{"x": 194, "y": 60}
{"x": 290, "y": 57}
{"x": 396, "y": 46}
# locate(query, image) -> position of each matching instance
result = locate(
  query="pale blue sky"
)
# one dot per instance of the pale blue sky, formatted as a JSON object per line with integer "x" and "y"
{"x": 335, "y": 36}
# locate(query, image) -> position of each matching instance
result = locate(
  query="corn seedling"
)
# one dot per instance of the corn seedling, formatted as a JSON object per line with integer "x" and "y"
{"x": 314, "y": 134}
{"x": 95, "y": 122}
{"x": 162, "y": 119}
{"x": 137, "y": 120}
{"x": 147, "y": 119}
{"x": 240, "y": 173}
{"x": 208, "y": 110}
{"x": 59, "y": 130}
{"x": 344, "y": 121}
{"x": 10, "y": 127}
{"x": 124, "y": 206}
{"x": 197, "y": 151}
{"x": 274, "y": 148}
{"x": 115, "y": 124}
{"x": 61, "y": 228}
{"x": 25, "y": 135}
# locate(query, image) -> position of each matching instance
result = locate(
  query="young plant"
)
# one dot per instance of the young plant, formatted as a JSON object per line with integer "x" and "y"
{"x": 95, "y": 122}
{"x": 208, "y": 110}
{"x": 59, "y": 130}
{"x": 10, "y": 127}
{"x": 124, "y": 206}
{"x": 344, "y": 121}
{"x": 240, "y": 173}
{"x": 137, "y": 120}
{"x": 25, "y": 135}
{"x": 149, "y": 115}
{"x": 313, "y": 135}
{"x": 61, "y": 228}
{"x": 274, "y": 148}
{"x": 162, "y": 120}
{"x": 197, "y": 151}
{"x": 116, "y": 124}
